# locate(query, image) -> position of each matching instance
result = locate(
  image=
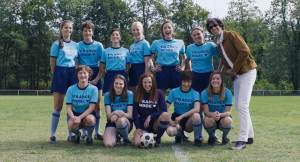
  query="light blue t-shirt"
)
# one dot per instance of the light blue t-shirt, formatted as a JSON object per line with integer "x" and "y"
{"x": 215, "y": 104}
{"x": 183, "y": 101}
{"x": 138, "y": 50}
{"x": 66, "y": 56}
{"x": 80, "y": 99}
{"x": 168, "y": 51}
{"x": 118, "y": 104}
{"x": 201, "y": 56}
{"x": 115, "y": 58}
{"x": 90, "y": 53}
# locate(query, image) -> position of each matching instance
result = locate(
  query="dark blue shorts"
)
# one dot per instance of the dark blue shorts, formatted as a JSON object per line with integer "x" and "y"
{"x": 182, "y": 122}
{"x": 200, "y": 81}
{"x": 63, "y": 77}
{"x": 109, "y": 78}
{"x": 136, "y": 70}
{"x": 168, "y": 77}
{"x": 95, "y": 73}
{"x": 150, "y": 129}
{"x": 77, "y": 114}
{"x": 111, "y": 124}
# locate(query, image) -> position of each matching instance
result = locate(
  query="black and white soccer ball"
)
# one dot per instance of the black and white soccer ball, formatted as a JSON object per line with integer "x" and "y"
{"x": 147, "y": 140}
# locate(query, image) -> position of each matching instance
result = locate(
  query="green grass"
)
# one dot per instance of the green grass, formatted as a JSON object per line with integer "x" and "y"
{"x": 25, "y": 122}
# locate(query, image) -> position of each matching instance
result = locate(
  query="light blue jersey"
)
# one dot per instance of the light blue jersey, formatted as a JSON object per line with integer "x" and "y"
{"x": 115, "y": 58}
{"x": 80, "y": 99}
{"x": 168, "y": 51}
{"x": 118, "y": 104}
{"x": 66, "y": 56}
{"x": 183, "y": 101}
{"x": 201, "y": 56}
{"x": 215, "y": 104}
{"x": 90, "y": 53}
{"x": 138, "y": 50}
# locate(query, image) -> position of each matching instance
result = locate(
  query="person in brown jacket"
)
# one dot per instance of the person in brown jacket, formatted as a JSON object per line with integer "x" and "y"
{"x": 237, "y": 61}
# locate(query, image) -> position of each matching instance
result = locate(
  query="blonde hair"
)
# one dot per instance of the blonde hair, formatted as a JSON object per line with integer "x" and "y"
{"x": 138, "y": 24}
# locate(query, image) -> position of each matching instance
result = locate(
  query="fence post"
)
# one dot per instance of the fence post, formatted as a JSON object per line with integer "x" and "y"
{"x": 18, "y": 92}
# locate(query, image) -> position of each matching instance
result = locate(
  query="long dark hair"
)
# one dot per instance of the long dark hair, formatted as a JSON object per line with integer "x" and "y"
{"x": 112, "y": 92}
{"x": 61, "y": 39}
{"x": 222, "y": 87}
{"x": 140, "y": 91}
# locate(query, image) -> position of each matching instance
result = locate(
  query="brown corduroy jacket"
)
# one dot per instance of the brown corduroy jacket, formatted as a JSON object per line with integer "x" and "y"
{"x": 238, "y": 52}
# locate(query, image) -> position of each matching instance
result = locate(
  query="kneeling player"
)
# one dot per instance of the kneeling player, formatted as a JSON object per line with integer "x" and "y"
{"x": 81, "y": 99}
{"x": 217, "y": 102}
{"x": 186, "y": 115}
{"x": 118, "y": 107}
{"x": 149, "y": 113}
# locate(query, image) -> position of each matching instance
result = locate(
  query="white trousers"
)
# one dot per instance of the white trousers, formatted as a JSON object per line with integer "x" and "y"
{"x": 243, "y": 86}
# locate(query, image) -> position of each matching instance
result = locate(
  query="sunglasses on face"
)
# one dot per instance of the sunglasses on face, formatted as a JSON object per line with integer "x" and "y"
{"x": 212, "y": 25}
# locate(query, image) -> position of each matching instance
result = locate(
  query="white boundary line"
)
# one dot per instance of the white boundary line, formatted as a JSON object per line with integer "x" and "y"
{"x": 180, "y": 154}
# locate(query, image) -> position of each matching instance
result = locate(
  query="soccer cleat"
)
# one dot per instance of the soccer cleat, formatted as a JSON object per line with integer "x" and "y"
{"x": 250, "y": 141}
{"x": 185, "y": 138}
{"x": 89, "y": 141}
{"x": 83, "y": 137}
{"x": 212, "y": 140}
{"x": 126, "y": 141}
{"x": 71, "y": 138}
{"x": 239, "y": 145}
{"x": 197, "y": 142}
{"x": 157, "y": 142}
{"x": 225, "y": 141}
{"x": 178, "y": 139}
{"x": 98, "y": 137}
{"x": 52, "y": 139}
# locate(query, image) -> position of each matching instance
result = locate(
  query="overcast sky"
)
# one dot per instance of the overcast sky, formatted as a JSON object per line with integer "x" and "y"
{"x": 219, "y": 8}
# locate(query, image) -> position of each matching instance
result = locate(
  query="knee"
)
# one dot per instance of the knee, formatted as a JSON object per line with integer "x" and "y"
{"x": 196, "y": 118}
{"x": 165, "y": 116}
{"x": 109, "y": 144}
{"x": 172, "y": 131}
{"x": 90, "y": 120}
{"x": 121, "y": 122}
{"x": 226, "y": 122}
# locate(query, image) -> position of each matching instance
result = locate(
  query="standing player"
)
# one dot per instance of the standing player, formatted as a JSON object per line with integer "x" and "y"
{"x": 149, "y": 112}
{"x": 217, "y": 101}
{"x": 81, "y": 99}
{"x": 114, "y": 60}
{"x": 238, "y": 62}
{"x": 62, "y": 63}
{"x": 89, "y": 53}
{"x": 186, "y": 115}
{"x": 139, "y": 54}
{"x": 170, "y": 57}
{"x": 118, "y": 107}
{"x": 200, "y": 55}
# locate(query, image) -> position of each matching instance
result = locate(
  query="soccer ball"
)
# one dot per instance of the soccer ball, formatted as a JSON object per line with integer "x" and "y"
{"x": 147, "y": 140}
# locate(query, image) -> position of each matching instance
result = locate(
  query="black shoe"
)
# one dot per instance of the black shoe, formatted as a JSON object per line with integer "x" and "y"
{"x": 212, "y": 140}
{"x": 126, "y": 141}
{"x": 198, "y": 142}
{"x": 98, "y": 137}
{"x": 77, "y": 138}
{"x": 225, "y": 141}
{"x": 52, "y": 139}
{"x": 178, "y": 140}
{"x": 119, "y": 138}
{"x": 83, "y": 137}
{"x": 250, "y": 141}
{"x": 89, "y": 141}
{"x": 239, "y": 145}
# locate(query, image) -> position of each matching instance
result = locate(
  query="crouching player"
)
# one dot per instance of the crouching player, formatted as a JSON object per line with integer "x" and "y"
{"x": 149, "y": 111}
{"x": 217, "y": 102}
{"x": 118, "y": 107}
{"x": 186, "y": 115}
{"x": 81, "y": 99}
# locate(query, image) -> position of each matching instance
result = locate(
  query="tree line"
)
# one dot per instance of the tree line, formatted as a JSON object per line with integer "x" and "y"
{"x": 28, "y": 27}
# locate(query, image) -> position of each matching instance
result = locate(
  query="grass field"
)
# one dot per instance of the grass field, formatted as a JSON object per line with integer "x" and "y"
{"x": 25, "y": 122}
